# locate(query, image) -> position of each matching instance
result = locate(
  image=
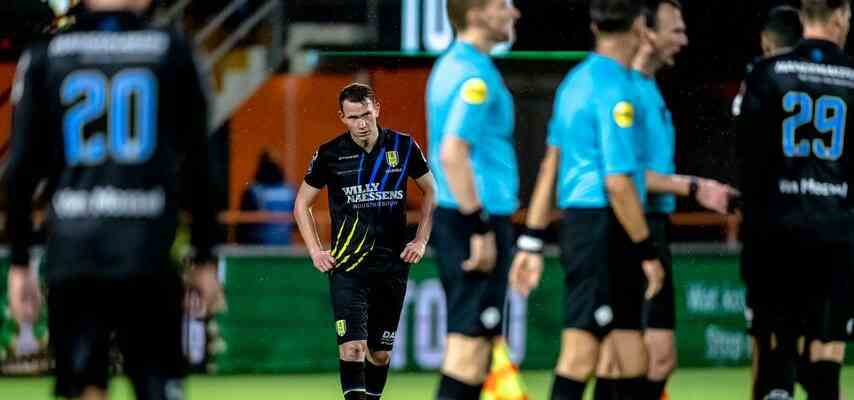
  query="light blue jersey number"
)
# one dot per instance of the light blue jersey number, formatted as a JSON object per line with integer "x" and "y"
{"x": 828, "y": 115}
{"x": 130, "y": 101}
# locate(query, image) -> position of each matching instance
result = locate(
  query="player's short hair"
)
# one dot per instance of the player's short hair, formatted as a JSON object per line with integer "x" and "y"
{"x": 356, "y": 93}
{"x": 652, "y": 7}
{"x": 784, "y": 22}
{"x": 457, "y": 10}
{"x": 615, "y": 16}
{"x": 820, "y": 10}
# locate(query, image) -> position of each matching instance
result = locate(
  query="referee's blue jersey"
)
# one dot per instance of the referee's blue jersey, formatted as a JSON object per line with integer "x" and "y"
{"x": 595, "y": 126}
{"x": 657, "y": 125}
{"x": 467, "y": 98}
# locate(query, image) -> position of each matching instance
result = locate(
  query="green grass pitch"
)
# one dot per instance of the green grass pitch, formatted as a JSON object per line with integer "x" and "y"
{"x": 687, "y": 384}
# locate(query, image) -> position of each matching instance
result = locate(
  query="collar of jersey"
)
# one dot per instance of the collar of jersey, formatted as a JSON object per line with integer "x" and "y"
{"x": 91, "y": 20}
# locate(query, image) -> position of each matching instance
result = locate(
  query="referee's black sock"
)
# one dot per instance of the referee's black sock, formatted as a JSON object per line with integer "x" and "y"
{"x": 452, "y": 389}
{"x": 631, "y": 389}
{"x": 605, "y": 389}
{"x": 353, "y": 379}
{"x": 654, "y": 389}
{"x": 375, "y": 378}
{"x": 567, "y": 389}
{"x": 825, "y": 379}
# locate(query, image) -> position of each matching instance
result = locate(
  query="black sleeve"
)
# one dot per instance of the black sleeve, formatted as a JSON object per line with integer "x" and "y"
{"x": 751, "y": 154}
{"x": 194, "y": 134}
{"x": 417, "y": 162}
{"x": 27, "y": 164}
{"x": 318, "y": 172}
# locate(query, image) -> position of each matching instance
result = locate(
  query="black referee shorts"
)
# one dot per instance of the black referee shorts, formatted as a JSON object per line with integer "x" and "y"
{"x": 800, "y": 286}
{"x": 143, "y": 315}
{"x": 660, "y": 311}
{"x": 604, "y": 279}
{"x": 367, "y": 301}
{"x": 475, "y": 300}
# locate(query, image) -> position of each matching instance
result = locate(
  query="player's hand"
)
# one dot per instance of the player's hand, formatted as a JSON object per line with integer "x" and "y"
{"x": 526, "y": 272}
{"x": 323, "y": 260}
{"x": 714, "y": 195}
{"x": 654, "y": 277}
{"x": 414, "y": 251}
{"x": 203, "y": 278}
{"x": 25, "y": 296}
{"x": 482, "y": 253}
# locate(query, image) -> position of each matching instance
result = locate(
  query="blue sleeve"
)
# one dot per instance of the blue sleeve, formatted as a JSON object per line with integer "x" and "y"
{"x": 556, "y": 123}
{"x": 468, "y": 110}
{"x": 616, "y": 116}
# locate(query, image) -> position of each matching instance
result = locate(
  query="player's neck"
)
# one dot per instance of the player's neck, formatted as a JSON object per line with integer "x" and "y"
{"x": 477, "y": 39}
{"x": 368, "y": 143}
{"x": 821, "y": 32}
{"x": 645, "y": 62}
{"x": 614, "y": 47}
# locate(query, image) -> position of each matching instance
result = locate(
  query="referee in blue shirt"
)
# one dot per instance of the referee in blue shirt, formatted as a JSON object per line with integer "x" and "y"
{"x": 595, "y": 151}
{"x": 470, "y": 119}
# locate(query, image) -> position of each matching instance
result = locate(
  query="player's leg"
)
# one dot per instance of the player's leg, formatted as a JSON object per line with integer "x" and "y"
{"x": 475, "y": 302}
{"x": 385, "y": 304}
{"x": 349, "y": 292}
{"x": 77, "y": 321}
{"x": 828, "y": 314}
{"x": 660, "y": 315}
{"x": 150, "y": 313}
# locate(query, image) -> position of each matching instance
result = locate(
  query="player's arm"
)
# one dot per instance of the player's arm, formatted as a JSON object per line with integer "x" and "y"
{"x": 709, "y": 193}
{"x": 528, "y": 263}
{"x": 23, "y": 172}
{"x": 316, "y": 178}
{"x": 415, "y": 249}
{"x": 465, "y": 123}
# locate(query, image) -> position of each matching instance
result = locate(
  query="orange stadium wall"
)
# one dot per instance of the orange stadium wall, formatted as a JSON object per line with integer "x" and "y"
{"x": 7, "y": 74}
{"x": 292, "y": 114}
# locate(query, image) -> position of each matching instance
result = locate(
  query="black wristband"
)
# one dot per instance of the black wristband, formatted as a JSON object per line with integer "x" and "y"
{"x": 693, "y": 187}
{"x": 646, "y": 250}
{"x": 479, "y": 221}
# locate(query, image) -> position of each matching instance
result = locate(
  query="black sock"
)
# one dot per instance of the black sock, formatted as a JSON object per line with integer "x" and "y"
{"x": 825, "y": 378}
{"x": 654, "y": 389}
{"x": 452, "y": 389}
{"x": 631, "y": 389}
{"x": 567, "y": 389}
{"x": 352, "y": 379}
{"x": 605, "y": 389}
{"x": 775, "y": 374}
{"x": 375, "y": 378}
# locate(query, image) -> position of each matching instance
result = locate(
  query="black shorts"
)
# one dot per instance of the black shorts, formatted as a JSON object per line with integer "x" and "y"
{"x": 143, "y": 316}
{"x": 367, "y": 301}
{"x": 604, "y": 279}
{"x": 660, "y": 311}
{"x": 475, "y": 300}
{"x": 799, "y": 286}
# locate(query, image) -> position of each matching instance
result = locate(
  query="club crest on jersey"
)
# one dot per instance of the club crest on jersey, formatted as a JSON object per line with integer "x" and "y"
{"x": 391, "y": 158}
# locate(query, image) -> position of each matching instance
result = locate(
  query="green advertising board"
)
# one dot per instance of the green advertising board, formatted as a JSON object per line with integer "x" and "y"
{"x": 280, "y": 320}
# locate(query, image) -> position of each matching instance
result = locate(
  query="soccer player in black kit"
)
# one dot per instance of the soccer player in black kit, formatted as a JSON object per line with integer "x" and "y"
{"x": 108, "y": 113}
{"x": 796, "y": 170}
{"x": 365, "y": 171}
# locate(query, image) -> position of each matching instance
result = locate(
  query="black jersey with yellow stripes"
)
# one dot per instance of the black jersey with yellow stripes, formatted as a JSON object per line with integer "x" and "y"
{"x": 367, "y": 193}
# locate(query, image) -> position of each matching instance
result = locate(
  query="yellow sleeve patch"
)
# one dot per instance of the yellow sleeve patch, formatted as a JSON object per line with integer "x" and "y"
{"x": 624, "y": 114}
{"x": 474, "y": 91}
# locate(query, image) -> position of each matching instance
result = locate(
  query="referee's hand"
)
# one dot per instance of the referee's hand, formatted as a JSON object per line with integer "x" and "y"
{"x": 714, "y": 195}
{"x": 526, "y": 272}
{"x": 323, "y": 260}
{"x": 482, "y": 253}
{"x": 25, "y": 296}
{"x": 654, "y": 277}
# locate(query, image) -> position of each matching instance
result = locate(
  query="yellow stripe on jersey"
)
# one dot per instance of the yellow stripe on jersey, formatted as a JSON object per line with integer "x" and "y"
{"x": 362, "y": 258}
{"x": 344, "y": 261}
{"x": 349, "y": 237}
{"x": 338, "y": 238}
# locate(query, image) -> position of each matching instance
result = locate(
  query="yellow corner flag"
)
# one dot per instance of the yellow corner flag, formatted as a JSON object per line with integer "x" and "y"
{"x": 504, "y": 381}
